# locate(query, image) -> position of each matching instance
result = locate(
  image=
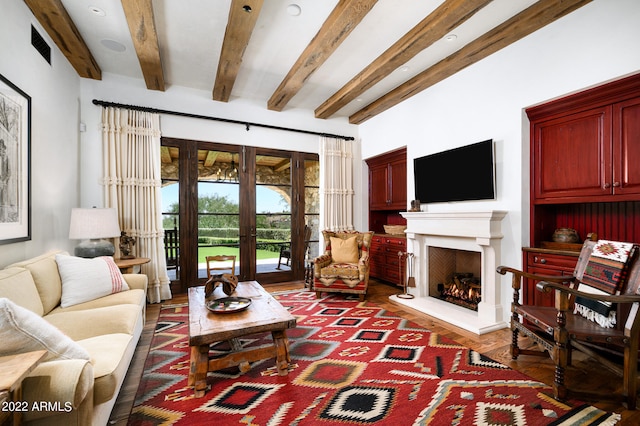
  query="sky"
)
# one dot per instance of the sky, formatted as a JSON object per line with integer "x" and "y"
{"x": 268, "y": 200}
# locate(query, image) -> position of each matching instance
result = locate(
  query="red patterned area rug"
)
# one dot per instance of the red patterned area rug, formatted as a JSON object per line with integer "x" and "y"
{"x": 352, "y": 363}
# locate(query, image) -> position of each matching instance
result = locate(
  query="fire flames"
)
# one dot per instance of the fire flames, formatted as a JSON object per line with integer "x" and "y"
{"x": 462, "y": 289}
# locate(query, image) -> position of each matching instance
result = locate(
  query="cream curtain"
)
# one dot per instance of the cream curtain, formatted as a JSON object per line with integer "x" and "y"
{"x": 336, "y": 183}
{"x": 131, "y": 153}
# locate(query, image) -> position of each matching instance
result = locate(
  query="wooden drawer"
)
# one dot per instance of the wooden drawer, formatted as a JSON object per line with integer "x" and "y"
{"x": 392, "y": 261}
{"x": 393, "y": 275}
{"x": 544, "y": 263}
{"x": 377, "y": 250}
{"x": 376, "y": 269}
{"x": 398, "y": 244}
{"x": 551, "y": 261}
{"x": 376, "y": 239}
{"x": 384, "y": 262}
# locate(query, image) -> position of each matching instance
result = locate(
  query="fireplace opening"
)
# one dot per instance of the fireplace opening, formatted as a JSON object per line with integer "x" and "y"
{"x": 454, "y": 276}
{"x": 462, "y": 289}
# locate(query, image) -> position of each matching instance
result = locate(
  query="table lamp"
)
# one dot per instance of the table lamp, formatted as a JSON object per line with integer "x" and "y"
{"x": 92, "y": 226}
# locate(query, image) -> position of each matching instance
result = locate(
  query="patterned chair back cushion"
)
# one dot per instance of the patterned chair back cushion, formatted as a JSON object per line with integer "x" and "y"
{"x": 363, "y": 238}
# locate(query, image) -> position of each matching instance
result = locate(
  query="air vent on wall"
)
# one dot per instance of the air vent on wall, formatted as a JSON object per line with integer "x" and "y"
{"x": 41, "y": 46}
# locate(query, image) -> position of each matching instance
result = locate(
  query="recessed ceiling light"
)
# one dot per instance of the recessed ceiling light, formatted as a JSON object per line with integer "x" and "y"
{"x": 113, "y": 45}
{"x": 294, "y": 10}
{"x": 404, "y": 68}
{"x": 451, "y": 37}
{"x": 97, "y": 11}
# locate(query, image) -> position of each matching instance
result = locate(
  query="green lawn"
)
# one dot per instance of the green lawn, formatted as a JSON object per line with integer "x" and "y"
{"x": 203, "y": 252}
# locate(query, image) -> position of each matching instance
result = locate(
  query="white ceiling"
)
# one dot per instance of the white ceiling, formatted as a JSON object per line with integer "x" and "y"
{"x": 190, "y": 35}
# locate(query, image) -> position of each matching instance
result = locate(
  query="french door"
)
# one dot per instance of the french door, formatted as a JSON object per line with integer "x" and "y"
{"x": 245, "y": 201}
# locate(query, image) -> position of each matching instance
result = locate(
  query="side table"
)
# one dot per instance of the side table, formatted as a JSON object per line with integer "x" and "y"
{"x": 131, "y": 266}
{"x": 13, "y": 370}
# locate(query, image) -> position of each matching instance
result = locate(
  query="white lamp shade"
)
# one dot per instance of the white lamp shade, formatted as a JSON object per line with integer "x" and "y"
{"x": 94, "y": 224}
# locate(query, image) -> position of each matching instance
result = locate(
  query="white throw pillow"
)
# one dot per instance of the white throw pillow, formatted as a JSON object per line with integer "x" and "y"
{"x": 24, "y": 331}
{"x": 88, "y": 279}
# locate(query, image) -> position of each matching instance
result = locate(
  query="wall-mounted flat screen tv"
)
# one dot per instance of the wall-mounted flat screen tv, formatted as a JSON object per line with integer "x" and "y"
{"x": 459, "y": 174}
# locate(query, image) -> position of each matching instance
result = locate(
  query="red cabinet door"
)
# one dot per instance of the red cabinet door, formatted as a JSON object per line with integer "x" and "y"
{"x": 398, "y": 184}
{"x": 626, "y": 147}
{"x": 378, "y": 187}
{"x": 572, "y": 155}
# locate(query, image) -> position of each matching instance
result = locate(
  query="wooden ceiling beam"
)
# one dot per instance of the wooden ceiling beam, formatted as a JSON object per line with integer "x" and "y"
{"x": 58, "y": 24}
{"x": 243, "y": 15}
{"x": 434, "y": 27}
{"x": 210, "y": 160}
{"x": 139, "y": 14}
{"x": 283, "y": 165}
{"x": 165, "y": 155}
{"x": 344, "y": 18}
{"x": 526, "y": 22}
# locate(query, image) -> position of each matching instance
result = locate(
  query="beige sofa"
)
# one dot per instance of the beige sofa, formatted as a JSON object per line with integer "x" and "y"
{"x": 82, "y": 391}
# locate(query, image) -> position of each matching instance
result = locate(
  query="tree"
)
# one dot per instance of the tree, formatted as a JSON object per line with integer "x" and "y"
{"x": 210, "y": 207}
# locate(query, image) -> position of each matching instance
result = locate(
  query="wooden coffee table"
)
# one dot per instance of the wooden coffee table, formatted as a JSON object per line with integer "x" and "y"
{"x": 205, "y": 327}
{"x": 13, "y": 370}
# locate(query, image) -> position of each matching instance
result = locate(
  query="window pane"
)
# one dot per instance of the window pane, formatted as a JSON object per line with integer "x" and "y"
{"x": 218, "y": 207}
{"x": 273, "y": 217}
{"x": 170, "y": 208}
{"x": 312, "y": 204}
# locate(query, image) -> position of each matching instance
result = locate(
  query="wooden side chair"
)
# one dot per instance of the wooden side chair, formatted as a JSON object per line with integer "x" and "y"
{"x": 220, "y": 271}
{"x": 171, "y": 248}
{"x": 219, "y": 264}
{"x": 597, "y": 312}
{"x": 285, "y": 249}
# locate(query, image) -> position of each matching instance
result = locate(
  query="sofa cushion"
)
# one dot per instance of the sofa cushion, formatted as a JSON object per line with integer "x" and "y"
{"x": 344, "y": 250}
{"x": 96, "y": 322}
{"x": 44, "y": 270}
{"x": 110, "y": 353}
{"x": 21, "y": 331}
{"x": 131, "y": 297}
{"x": 88, "y": 279}
{"x": 16, "y": 284}
{"x": 341, "y": 270}
{"x": 69, "y": 381}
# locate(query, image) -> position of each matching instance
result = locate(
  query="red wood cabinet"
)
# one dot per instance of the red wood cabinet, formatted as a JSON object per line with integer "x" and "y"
{"x": 585, "y": 152}
{"x": 384, "y": 262}
{"x": 544, "y": 262}
{"x": 588, "y": 154}
{"x": 585, "y": 175}
{"x": 572, "y": 157}
{"x": 626, "y": 147}
{"x": 388, "y": 181}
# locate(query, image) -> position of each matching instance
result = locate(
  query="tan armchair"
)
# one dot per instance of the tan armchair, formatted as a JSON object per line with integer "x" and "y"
{"x": 344, "y": 266}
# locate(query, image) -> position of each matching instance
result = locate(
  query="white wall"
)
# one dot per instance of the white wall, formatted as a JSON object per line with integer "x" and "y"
{"x": 595, "y": 44}
{"x": 54, "y": 90}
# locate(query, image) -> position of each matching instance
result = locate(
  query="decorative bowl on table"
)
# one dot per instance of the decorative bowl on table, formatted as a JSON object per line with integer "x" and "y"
{"x": 227, "y": 305}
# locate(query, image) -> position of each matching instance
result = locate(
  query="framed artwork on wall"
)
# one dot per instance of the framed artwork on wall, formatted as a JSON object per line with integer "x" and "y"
{"x": 15, "y": 153}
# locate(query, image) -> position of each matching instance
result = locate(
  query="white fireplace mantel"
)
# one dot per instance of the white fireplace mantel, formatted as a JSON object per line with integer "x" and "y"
{"x": 456, "y": 224}
{"x": 471, "y": 231}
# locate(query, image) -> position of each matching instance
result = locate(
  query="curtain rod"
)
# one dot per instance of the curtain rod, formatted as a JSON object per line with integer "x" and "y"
{"x": 247, "y": 124}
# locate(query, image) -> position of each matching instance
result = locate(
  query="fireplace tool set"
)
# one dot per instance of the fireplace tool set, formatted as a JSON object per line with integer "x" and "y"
{"x": 411, "y": 281}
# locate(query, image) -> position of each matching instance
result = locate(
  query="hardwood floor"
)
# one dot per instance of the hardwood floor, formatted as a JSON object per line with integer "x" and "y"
{"x": 495, "y": 345}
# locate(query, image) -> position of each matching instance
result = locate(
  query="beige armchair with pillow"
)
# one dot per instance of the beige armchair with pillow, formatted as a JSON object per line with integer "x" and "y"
{"x": 344, "y": 266}
{"x": 88, "y": 316}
